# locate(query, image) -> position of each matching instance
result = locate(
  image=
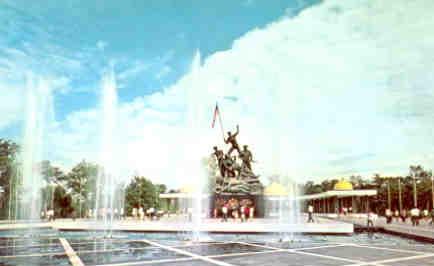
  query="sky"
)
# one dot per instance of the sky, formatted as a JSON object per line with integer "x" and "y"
{"x": 320, "y": 89}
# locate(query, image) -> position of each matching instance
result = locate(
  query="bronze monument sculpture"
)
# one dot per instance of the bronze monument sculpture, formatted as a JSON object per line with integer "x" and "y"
{"x": 234, "y": 174}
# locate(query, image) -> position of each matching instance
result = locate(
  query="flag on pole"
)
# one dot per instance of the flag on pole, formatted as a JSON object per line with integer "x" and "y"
{"x": 216, "y": 113}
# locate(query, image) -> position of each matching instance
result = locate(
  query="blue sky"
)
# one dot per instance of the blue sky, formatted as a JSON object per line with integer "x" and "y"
{"x": 320, "y": 88}
{"x": 152, "y": 42}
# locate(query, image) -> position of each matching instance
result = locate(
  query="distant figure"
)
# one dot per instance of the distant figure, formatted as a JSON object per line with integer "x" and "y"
{"x": 388, "y": 216}
{"x": 415, "y": 215}
{"x": 225, "y": 212}
{"x": 243, "y": 216}
{"x": 432, "y": 217}
{"x": 122, "y": 213}
{"x": 141, "y": 213}
{"x": 233, "y": 141}
{"x": 246, "y": 213}
{"x": 310, "y": 213}
{"x": 134, "y": 213}
{"x": 251, "y": 212}
{"x": 425, "y": 214}
{"x": 396, "y": 215}
{"x": 350, "y": 209}
{"x": 371, "y": 218}
{"x": 404, "y": 216}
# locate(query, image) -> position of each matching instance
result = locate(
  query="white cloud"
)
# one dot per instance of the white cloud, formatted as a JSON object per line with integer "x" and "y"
{"x": 344, "y": 87}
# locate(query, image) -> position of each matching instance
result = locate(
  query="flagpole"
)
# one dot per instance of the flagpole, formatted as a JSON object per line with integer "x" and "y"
{"x": 221, "y": 124}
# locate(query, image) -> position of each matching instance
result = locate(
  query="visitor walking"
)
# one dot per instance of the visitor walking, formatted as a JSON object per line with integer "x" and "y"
{"x": 396, "y": 215}
{"x": 310, "y": 213}
{"x": 415, "y": 215}
{"x": 243, "y": 216}
{"x": 404, "y": 216}
{"x": 246, "y": 212}
{"x": 388, "y": 216}
{"x": 371, "y": 219}
{"x": 134, "y": 213}
{"x": 432, "y": 217}
{"x": 425, "y": 215}
{"x": 251, "y": 212}
{"x": 225, "y": 212}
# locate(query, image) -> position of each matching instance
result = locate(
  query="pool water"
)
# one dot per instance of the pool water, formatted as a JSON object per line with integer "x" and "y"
{"x": 43, "y": 247}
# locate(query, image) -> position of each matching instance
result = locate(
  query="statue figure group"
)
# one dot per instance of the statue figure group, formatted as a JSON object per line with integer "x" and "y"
{"x": 227, "y": 163}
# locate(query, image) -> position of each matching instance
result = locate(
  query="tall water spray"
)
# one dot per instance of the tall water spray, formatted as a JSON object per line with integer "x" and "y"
{"x": 107, "y": 176}
{"x": 195, "y": 109}
{"x": 39, "y": 109}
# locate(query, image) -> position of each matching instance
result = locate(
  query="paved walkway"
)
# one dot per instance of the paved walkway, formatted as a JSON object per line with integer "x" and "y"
{"x": 103, "y": 252}
{"x": 321, "y": 226}
{"x": 423, "y": 231}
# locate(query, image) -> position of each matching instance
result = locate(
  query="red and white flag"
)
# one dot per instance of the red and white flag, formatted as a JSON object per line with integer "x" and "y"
{"x": 216, "y": 113}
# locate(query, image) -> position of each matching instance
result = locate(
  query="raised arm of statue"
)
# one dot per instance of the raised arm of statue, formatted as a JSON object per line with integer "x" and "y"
{"x": 238, "y": 131}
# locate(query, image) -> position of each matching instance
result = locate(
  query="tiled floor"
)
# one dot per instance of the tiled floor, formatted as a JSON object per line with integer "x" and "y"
{"x": 27, "y": 252}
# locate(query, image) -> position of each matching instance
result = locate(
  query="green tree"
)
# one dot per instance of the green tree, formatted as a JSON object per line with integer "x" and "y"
{"x": 140, "y": 192}
{"x": 81, "y": 180}
{"x": 8, "y": 176}
{"x": 53, "y": 177}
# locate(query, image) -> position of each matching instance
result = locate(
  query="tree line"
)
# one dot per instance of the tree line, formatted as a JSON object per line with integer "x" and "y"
{"x": 417, "y": 176}
{"x": 69, "y": 193}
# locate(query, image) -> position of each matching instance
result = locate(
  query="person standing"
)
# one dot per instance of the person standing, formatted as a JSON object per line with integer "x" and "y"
{"x": 251, "y": 212}
{"x": 432, "y": 217}
{"x": 370, "y": 219}
{"x": 415, "y": 214}
{"x": 396, "y": 214}
{"x": 388, "y": 216}
{"x": 243, "y": 216}
{"x": 246, "y": 212}
{"x": 225, "y": 212}
{"x": 404, "y": 215}
{"x": 310, "y": 213}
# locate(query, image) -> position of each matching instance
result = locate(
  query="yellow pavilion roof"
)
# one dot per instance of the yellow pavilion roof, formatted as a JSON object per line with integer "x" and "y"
{"x": 343, "y": 185}
{"x": 275, "y": 189}
{"x": 187, "y": 189}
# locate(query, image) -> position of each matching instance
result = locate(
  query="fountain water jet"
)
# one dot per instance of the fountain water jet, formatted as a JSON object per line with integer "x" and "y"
{"x": 39, "y": 110}
{"x": 198, "y": 203}
{"x": 106, "y": 185}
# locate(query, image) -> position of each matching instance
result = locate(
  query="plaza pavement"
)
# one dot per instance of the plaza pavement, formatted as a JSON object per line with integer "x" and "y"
{"x": 144, "y": 251}
{"x": 423, "y": 231}
{"x": 321, "y": 226}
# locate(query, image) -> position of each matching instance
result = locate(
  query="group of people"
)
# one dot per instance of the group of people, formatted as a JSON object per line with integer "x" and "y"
{"x": 48, "y": 214}
{"x": 142, "y": 214}
{"x": 415, "y": 214}
{"x": 235, "y": 209}
{"x": 102, "y": 213}
{"x": 106, "y": 213}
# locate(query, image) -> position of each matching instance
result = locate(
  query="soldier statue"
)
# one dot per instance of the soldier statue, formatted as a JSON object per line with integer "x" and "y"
{"x": 233, "y": 141}
{"x": 246, "y": 157}
{"x": 219, "y": 156}
{"x": 229, "y": 166}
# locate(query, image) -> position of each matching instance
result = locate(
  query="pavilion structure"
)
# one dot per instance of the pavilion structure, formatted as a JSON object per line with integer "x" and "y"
{"x": 342, "y": 196}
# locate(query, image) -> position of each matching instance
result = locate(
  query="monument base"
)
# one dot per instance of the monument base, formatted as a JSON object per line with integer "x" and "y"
{"x": 255, "y": 201}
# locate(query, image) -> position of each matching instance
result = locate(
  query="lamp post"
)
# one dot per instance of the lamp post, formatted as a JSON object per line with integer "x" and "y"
{"x": 414, "y": 190}
{"x": 389, "y": 200}
{"x": 399, "y": 195}
{"x": 432, "y": 190}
